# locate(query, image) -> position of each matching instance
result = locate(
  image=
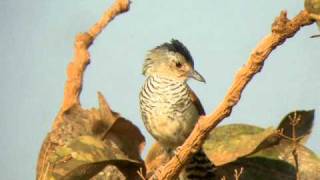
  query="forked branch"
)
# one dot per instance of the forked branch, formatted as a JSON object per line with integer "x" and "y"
{"x": 282, "y": 29}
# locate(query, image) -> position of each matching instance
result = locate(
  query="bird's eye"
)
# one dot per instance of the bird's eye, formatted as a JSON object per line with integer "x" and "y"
{"x": 178, "y": 65}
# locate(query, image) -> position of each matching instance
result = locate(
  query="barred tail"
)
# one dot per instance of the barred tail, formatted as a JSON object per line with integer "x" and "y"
{"x": 199, "y": 167}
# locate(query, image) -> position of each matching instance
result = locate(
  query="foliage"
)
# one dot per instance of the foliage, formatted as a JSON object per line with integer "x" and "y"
{"x": 91, "y": 144}
{"x": 265, "y": 153}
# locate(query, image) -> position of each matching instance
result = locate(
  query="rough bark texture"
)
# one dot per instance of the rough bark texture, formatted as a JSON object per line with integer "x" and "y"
{"x": 81, "y": 57}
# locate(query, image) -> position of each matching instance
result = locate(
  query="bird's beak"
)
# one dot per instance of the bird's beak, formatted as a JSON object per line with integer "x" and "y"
{"x": 195, "y": 75}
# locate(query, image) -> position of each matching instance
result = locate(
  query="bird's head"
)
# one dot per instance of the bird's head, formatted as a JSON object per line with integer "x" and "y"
{"x": 171, "y": 60}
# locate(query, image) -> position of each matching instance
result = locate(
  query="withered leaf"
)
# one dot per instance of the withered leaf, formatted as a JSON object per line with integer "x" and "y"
{"x": 88, "y": 142}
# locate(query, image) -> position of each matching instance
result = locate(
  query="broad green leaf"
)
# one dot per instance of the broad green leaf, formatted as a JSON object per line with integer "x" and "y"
{"x": 229, "y": 142}
{"x": 86, "y": 156}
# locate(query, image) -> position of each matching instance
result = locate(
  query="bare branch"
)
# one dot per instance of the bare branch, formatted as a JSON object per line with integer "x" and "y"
{"x": 282, "y": 29}
{"x": 81, "y": 57}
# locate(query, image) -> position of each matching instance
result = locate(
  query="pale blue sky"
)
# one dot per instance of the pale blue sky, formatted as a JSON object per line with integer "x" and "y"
{"x": 36, "y": 43}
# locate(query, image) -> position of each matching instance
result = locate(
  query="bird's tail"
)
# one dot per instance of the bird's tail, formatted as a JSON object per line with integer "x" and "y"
{"x": 199, "y": 167}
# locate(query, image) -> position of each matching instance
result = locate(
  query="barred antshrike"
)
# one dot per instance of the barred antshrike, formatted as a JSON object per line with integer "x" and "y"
{"x": 169, "y": 108}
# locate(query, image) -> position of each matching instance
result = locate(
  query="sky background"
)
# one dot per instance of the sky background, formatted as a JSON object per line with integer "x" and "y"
{"x": 36, "y": 44}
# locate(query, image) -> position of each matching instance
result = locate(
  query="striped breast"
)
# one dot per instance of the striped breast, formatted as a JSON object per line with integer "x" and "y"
{"x": 167, "y": 110}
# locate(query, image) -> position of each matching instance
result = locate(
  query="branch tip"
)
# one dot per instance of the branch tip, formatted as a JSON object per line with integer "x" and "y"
{"x": 124, "y": 5}
{"x": 280, "y": 23}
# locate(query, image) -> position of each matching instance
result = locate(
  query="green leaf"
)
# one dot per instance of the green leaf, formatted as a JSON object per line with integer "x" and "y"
{"x": 86, "y": 156}
{"x": 229, "y": 142}
{"x": 264, "y": 154}
{"x": 87, "y": 171}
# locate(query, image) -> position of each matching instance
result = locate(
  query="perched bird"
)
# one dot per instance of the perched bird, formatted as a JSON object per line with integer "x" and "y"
{"x": 313, "y": 8}
{"x": 168, "y": 106}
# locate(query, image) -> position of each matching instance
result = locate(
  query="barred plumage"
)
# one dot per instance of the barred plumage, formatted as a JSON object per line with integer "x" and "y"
{"x": 167, "y": 104}
{"x": 167, "y": 110}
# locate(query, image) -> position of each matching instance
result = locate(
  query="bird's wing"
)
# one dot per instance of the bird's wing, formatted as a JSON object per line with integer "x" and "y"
{"x": 196, "y": 102}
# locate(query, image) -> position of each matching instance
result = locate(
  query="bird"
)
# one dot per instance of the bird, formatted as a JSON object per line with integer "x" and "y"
{"x": 168, "y": 106}
{"x": 313, "y": 8}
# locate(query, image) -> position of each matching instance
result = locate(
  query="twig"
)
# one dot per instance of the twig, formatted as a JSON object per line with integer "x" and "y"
{"x": 294, "y": 121}
{"x": 237, "y": 173}
{"x": 282, "y": 29}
